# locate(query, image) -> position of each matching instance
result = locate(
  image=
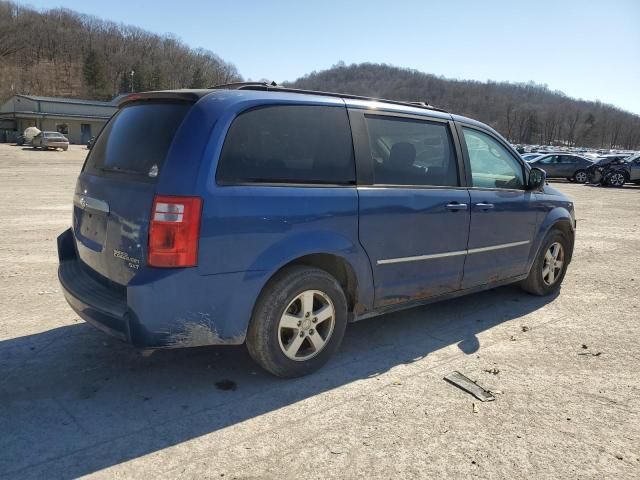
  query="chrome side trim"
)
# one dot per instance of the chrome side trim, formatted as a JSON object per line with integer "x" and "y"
{"x": 497, "y": 247}
{"x": 421, "y": 257}
{"x": 450, "y": 254}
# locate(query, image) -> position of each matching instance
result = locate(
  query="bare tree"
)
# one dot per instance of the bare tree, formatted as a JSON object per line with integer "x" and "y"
{"x": 47, "y": 53}
{"x": 524, "y": 113}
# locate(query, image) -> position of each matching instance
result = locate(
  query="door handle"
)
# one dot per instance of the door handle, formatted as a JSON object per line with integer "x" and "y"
{"x": 455, "y": 206}
{"x": 484, "y": 206}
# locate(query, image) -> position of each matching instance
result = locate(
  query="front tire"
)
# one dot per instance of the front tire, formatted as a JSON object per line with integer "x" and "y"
{"x": 550, "y": 266}
{"x": 581, "y": 176}
{"x": 298, "y": 322}
{"x": 616, "y": 179}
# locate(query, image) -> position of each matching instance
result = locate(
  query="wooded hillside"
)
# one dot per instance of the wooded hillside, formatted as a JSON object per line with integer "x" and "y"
{"x": 524, "y": 113}
{"x": 63, "y": 53}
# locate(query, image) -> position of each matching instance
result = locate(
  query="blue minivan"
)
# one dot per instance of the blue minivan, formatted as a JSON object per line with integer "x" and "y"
{"x": 257, "y": 214}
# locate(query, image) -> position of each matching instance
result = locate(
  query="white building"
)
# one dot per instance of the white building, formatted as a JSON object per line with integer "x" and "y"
{"x": 77, "y": 119}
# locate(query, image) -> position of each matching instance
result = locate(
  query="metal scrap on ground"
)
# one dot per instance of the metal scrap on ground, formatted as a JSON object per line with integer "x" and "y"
{"x": 466, "y": 384}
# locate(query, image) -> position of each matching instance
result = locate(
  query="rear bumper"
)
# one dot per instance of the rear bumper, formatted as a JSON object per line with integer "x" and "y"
{"x": 93, "y": 302}
{"x": 103, "y": 307}
{"x": 160, "y": 308}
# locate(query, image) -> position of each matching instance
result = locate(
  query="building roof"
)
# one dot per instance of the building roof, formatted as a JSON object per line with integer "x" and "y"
{"x": 77, "y": 101}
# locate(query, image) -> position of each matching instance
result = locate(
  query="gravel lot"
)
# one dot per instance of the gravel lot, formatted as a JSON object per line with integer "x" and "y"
{"x": 74, "y": 402}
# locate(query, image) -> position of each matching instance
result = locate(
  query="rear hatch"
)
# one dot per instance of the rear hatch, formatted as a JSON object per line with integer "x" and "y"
{"x": 114, "y": 193}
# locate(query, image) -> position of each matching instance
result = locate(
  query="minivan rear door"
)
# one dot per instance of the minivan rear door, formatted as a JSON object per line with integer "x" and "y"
{"x": 114, "y": 193}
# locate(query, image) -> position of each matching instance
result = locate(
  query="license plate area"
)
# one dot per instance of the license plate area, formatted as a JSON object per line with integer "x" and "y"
{"x": 90, "y": 228}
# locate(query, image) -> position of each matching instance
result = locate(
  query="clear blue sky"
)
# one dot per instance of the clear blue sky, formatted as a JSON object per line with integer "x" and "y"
{"x": 588, "y": 49}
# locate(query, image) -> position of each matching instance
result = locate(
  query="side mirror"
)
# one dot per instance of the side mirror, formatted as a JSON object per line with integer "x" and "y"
{"x": 537, "y": 177}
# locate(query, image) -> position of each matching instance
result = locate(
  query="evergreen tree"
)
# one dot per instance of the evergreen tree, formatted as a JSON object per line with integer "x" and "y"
{"x": 141, "y": 78}
{"x": 198, "y": 80}
{"x": 94, "y": 72}
{"x": 157, "y": 79}
{"x": 125, "y": 82}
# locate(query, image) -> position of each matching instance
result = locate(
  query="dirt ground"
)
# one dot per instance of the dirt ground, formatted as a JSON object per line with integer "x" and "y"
{"x": 74, "y": 402}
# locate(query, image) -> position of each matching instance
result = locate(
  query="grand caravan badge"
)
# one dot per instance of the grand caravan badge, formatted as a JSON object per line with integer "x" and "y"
{"x": 133, "y": 262}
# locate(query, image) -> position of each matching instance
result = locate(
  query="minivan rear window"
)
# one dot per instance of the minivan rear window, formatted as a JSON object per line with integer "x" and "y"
{"x": 136, "y": 140}
{"x": 288, "y": 144}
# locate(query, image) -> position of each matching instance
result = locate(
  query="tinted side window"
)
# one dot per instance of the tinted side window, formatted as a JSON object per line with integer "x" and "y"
{"x": 550, "y": 160}
{"x": 289, "y": 144}
{"x": 492, "y": 166}
{"x": 411, "y": 152}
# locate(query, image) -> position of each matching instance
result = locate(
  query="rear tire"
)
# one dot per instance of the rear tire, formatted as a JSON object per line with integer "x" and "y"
{"x": 298, "y": 322}
{"x": 545, "y": 277}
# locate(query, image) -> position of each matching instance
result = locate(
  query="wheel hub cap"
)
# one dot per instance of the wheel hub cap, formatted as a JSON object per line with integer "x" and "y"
{"x": 306, "y": 325}
{"x": 553, "y": 263}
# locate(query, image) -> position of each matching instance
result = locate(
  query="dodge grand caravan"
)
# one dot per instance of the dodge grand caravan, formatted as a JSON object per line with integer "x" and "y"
{"x": 269, "y": 216}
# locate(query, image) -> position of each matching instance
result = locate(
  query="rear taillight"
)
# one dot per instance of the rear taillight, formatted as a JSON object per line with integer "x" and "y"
{"x": 174, "y": 231}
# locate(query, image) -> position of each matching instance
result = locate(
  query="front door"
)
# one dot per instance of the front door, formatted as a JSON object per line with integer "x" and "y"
{"x": 414, "y": 216}
{"x": 503, "y": 213}
{"x": 85, "y": 133}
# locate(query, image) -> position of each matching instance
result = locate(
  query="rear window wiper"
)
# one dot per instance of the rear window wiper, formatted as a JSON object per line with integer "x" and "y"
{"x": 120, "y": 170}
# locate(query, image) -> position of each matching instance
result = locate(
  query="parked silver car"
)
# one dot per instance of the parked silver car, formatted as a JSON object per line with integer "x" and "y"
{"x": 569, "y": 166}
{"x": 47, "y": 140}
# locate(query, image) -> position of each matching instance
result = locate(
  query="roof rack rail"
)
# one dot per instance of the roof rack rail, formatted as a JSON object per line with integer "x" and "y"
{"x": 274, "y": 87}
{"x": 420, "y": 104}
{"x": 241, "y": 85}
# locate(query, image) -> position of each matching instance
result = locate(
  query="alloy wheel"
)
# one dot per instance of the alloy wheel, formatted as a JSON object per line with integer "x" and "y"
{"x": 306, "y": 325}
{"x": 581, "y": 177}
{"x": 616, "y": 180}
{"x": 553, "y": 263}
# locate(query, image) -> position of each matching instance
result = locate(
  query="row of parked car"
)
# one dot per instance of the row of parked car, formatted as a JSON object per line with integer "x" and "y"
{"x": 612, "y": 170}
